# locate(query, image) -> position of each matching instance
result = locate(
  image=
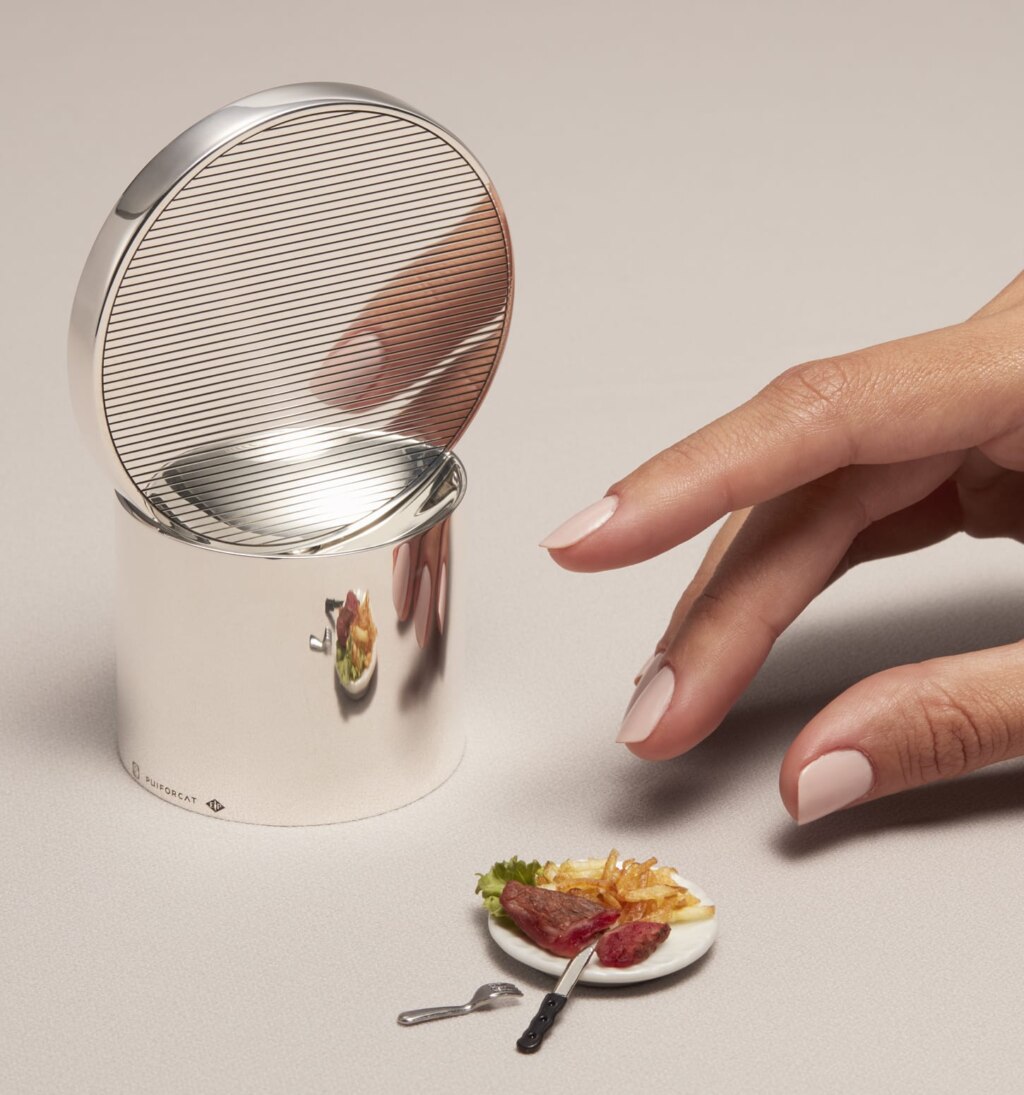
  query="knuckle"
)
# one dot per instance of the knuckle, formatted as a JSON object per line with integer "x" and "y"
{"x": 950, "y": 733}
{"x": 815, "y": 392}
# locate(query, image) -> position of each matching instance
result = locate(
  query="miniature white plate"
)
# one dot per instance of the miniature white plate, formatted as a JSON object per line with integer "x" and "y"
{"x": 357, "y": 688}
{"x": 685, "y": 944}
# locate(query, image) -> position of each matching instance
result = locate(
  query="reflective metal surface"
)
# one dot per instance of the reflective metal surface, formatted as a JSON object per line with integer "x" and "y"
{"x": 226, "y": 709}
{"x": 438, "y": 486}
{"x": 285, "y": 488}
{"x": 484, "y": 995}
{"x": 290, "y": 317}
{"x": 573, "y": 971}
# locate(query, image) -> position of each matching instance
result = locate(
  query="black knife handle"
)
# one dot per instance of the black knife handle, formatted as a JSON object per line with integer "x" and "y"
{"x": 541, "y": 1023}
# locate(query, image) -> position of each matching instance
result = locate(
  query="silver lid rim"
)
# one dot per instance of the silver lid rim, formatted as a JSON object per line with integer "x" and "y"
{"x": 125, "y": 227}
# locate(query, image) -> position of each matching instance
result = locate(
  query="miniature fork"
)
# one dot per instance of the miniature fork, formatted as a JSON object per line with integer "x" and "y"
{"x": 484, "y": 995}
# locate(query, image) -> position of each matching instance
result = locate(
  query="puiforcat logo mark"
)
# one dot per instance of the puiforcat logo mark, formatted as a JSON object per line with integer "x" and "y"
{"x": 135, "y": 770}
{"x": 215, "y": 806}
{"x": 171, "y": 792}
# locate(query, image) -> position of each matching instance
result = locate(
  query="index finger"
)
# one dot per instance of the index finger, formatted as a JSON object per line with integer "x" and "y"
{"x": 933, "y": 393}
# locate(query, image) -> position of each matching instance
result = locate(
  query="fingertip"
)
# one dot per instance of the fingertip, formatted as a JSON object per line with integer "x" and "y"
{"x": 580, "y": 526}
{"x": 831, "y": 782}
{"x": 617, "y": 544}
{"x": 621, "y": 529}
{"x": 573, "y": 560}
{"x": 647, "y": 708}
{"x": 641, "y": 753}
{"x": 828, "y": 767}
{"x": 659, "y": 723}
{"x": 787, "y": 791}
{"x": 648, "y": 669}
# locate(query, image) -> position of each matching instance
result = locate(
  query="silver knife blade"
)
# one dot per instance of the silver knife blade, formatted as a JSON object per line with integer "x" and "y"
{"x": 553, "y": 1003}
{"x": 575, "y": 968}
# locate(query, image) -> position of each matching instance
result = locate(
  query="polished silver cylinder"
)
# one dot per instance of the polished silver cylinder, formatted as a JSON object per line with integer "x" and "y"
{"x": 283, "y": 327}
{"x": 229, "y": 699}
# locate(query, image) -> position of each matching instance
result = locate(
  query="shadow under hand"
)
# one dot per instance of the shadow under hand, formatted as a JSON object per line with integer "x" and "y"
{"x": 809, "y": 667}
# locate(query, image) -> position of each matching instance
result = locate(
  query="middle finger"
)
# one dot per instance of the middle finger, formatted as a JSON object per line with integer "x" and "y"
{"x": 781, "y": 558}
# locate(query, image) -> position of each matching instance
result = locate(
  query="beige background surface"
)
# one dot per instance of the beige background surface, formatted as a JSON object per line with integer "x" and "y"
{"x": 700, "y": 195}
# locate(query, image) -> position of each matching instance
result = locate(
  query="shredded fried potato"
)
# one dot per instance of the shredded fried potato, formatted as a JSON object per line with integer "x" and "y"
{"x": 367, "y": 629}
{"x": 639, "y": 891}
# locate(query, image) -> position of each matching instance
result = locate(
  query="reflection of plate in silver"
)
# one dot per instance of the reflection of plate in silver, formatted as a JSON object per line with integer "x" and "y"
{"x": 685, "y": 944}
{"x": 357, "y": 689}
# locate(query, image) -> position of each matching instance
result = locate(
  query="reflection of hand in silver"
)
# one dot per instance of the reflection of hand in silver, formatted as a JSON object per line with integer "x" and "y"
{"x": 416, "y": 361}
{"x": 420, "y": 581}
{"x": 443, "y": 312}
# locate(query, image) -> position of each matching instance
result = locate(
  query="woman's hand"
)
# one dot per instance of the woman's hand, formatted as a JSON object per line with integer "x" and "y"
{"x": 834, "y": 463}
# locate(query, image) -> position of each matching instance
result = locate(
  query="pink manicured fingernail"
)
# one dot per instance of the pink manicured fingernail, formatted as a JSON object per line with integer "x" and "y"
{"x": 442, "y": 596}
{"x": 646, "y": 709}
{"x": 831, "y": 782}
{"x": 583, "y": 524}
{"x": 423, "y": 603}
{"x": 646, "y": 668}
{"x": 652, "y": 665}
{"x": 400, "y": 578}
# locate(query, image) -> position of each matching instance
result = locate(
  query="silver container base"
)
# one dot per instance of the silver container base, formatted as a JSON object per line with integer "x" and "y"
{"x": 229, "y": 706}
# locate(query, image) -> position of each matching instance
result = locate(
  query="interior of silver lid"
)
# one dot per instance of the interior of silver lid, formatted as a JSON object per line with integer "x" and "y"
{"x": 305, "y": 326}
{"x": 433, "y": 498}
{"x": 312, "y": 485}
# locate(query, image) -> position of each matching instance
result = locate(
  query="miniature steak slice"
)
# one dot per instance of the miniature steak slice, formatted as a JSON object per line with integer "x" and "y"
{"x": 631, "y": 943}
{"x": 561, "y": 923}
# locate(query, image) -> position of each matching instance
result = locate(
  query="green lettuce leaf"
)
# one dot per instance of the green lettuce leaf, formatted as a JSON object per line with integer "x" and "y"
{"x": 490, "y": 885}
{"x": 345, "y": 663}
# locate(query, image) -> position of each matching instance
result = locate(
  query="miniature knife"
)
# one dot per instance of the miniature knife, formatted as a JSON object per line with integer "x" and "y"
{"x": 553, "y": 1003}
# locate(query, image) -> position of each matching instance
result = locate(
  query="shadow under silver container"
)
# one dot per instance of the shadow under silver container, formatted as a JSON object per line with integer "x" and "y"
{"x": 287, "y": 321}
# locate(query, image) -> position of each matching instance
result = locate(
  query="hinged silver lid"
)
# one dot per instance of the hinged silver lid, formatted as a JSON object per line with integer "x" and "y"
{"x": 290, "y": 317}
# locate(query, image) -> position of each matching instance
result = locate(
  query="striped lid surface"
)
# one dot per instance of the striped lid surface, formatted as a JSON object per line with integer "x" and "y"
{"x": 306, "y": 326}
